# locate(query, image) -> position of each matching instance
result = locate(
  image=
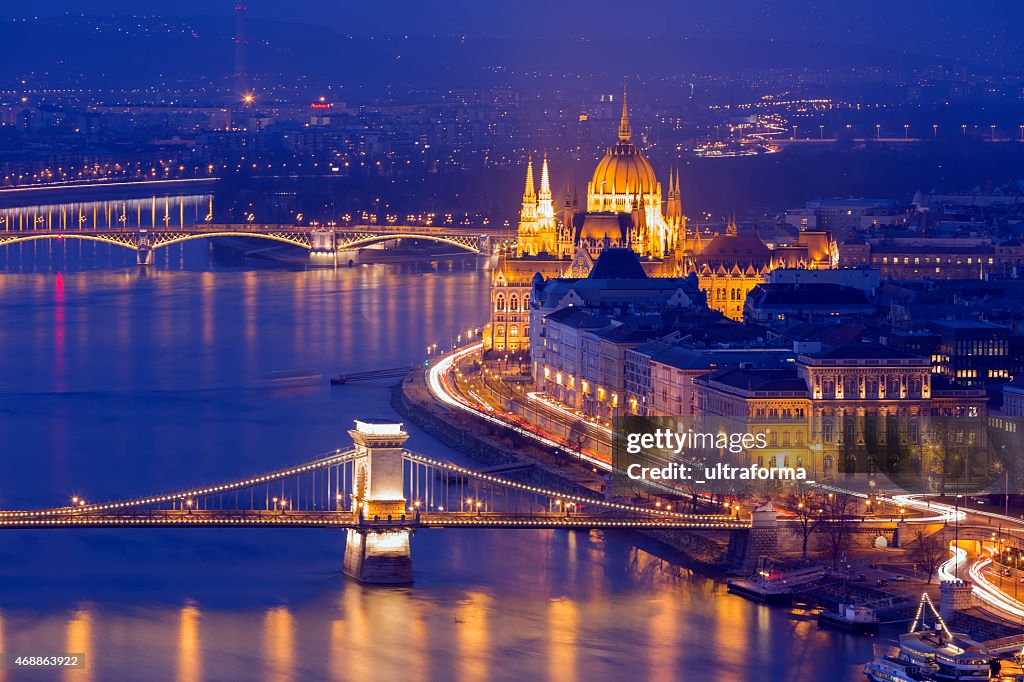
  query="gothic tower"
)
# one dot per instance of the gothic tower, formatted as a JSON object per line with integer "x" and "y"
{"x": 547, "y": 232}
{"x": 527, "y": 234}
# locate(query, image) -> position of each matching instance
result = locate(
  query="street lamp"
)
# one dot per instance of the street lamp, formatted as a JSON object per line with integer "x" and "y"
{"x": 956, "y": 530}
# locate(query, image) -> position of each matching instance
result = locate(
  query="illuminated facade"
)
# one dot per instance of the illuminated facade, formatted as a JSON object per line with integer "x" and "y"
{"x": 730, "y": 265}
{"x": 829, "y": 404}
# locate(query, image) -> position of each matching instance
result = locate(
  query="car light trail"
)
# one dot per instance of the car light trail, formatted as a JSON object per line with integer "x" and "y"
{"x": 948, "y": 568}
{"x": 988, "y": 592}
{"x": 540, "y": 398}
{"x": 439, "y": 385}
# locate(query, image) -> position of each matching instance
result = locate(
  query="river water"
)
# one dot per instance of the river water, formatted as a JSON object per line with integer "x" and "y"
{"x": 117, "y": 383}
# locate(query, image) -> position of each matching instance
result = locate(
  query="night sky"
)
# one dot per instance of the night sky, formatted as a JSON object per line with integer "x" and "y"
{"x": 929, "y": 26}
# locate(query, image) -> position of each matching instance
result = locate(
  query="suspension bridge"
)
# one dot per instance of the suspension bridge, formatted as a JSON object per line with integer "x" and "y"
{"x": 378, "y": 492}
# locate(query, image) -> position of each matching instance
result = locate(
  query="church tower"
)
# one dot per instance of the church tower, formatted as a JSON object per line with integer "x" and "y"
{"x": 674, "y": 218}
{"x": 547, "y": 232}
{"x": 569, "y": 210}
{"x": 527, "y": 234}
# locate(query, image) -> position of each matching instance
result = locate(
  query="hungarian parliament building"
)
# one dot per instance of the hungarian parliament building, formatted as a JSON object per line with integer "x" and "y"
{"x": 626, "y": 208}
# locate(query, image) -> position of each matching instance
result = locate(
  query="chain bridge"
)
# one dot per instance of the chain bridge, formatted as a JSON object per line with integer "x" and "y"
{"x": 379, "y": 492}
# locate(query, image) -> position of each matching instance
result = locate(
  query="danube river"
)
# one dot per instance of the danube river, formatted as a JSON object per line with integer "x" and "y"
{"x": 116, "y": 383}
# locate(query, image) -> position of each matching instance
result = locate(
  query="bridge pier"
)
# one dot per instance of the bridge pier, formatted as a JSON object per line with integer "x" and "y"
{"x": 378, "y": 550}
{"x": 323, "y": 249}
{"x": 379, "y": 557}
{"x": 347, "y": 257}
{"x": 323, "y": 258}
{"x": 144, "y": 256}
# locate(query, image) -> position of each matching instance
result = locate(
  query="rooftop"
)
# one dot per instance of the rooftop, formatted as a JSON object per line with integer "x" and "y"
{"x": 867, "y": 350}
{"x": 760, "y": 379}
{"x": 618, "y": 264}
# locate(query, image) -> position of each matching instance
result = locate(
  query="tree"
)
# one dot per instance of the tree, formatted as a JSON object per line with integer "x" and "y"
{"x": 807, "y": 507}
{"x": 836, "y": 518}
{"x": 928, "y": 552}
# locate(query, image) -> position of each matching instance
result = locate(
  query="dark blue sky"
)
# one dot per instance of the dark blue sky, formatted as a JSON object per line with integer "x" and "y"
{"x": 932, "y": 24}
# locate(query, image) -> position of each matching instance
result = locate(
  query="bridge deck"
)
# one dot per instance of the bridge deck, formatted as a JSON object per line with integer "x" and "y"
{"x": 345, "y": 519}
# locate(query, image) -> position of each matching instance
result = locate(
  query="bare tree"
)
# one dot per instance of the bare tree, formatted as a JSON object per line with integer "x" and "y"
{"x": 837, "y": 522}
{"x": 808, "y": 509}
{"x": 928, "y": 552}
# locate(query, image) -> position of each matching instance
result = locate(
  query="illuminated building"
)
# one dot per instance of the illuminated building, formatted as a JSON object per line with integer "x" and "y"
{"x": 935, "y": 258}
{"x": 583, "y": 328}
{"x": 625, "y": 208}
{"x": 624, "y": 203}
{"x": 830, "y": 404}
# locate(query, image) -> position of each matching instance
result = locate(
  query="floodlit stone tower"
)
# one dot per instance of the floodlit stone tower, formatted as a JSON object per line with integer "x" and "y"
{"x": 376, "y": 551}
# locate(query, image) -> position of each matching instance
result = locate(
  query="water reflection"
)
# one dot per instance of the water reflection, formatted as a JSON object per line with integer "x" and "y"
{"x": 279, "y": 644}
{"x": 79, "y": 641}
{"x": 473, "y": 637}
{"x": 562, "y": 634}
{"x": 3, "y": 648}
{"x": 189, "y": 662}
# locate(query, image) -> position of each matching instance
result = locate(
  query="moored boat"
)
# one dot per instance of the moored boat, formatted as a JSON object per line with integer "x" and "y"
{"x": 852, "y": 618}
{"x": 933, "y": 653}
{"x": 893, "y": 669}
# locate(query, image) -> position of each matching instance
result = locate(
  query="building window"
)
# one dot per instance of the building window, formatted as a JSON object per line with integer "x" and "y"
{"x": 871, "y": 388}
{"x": 828, "y": 388}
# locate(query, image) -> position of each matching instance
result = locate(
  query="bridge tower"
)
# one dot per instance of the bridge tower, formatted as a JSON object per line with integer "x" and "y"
{"x": 323, "y": 248}
{"x": 378, "y": 551}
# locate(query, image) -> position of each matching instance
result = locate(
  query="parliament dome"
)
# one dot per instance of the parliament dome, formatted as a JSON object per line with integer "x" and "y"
{"x": 625, "y": 170}
{"x": 623, "y": 175}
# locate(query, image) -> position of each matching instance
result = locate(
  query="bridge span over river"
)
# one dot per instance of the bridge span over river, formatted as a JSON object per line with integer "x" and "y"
{"x": 379, "y": 493}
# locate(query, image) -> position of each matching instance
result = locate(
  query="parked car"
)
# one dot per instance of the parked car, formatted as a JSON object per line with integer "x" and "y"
{"x": 880, "y": 582}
